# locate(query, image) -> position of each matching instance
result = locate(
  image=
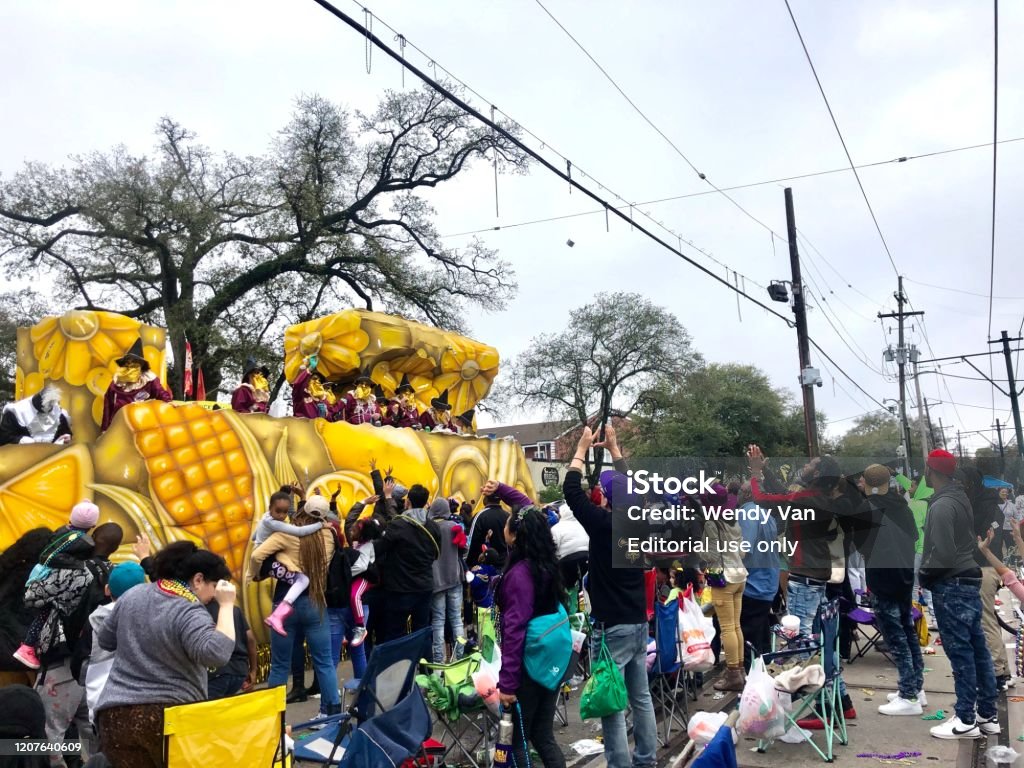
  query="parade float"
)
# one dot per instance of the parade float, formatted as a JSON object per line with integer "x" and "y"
{"x": 183, "y": 470}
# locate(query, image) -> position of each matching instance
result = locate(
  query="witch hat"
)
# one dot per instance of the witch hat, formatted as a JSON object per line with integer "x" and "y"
{"x": 441, "y": 402}
{"x": 135, "y": 353}
{"x": 378, "y": 392}
{"x": 364, "y": 377}
{"x": 251, "y": 366}
{"x": 466, "y": 418}
{"x": 404, "y": 385}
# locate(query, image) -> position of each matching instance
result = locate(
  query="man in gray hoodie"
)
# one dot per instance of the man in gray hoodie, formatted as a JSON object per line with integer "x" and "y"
{"x": 446, "y": 602}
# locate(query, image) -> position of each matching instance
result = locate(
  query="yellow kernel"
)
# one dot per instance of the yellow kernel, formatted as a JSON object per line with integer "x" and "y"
{"x": 151, "y": 443}
{"x": 203, "y": 499}
{"x": 195, "y": 476}
{"x": 187, "y": 455}
{"x": 160, "y": 464}
{"x": 201, "y": 429}
{"x": 209, "y": 448}
{"x": 217, "y": 468}
{"x": 169, "y": 486}
{"x": 225, "y": 492}
{"x": 177, "y": 436}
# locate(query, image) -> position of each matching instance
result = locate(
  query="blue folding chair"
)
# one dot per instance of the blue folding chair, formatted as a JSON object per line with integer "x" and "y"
{"x": 389, "y": 677}
{"x": 391, "y": 737}
{"x": 666, "y": 677}
{"x": 826, "y": 702}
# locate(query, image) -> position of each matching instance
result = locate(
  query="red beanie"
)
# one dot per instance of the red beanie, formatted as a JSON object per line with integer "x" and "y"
{"x": 942, "y": 462}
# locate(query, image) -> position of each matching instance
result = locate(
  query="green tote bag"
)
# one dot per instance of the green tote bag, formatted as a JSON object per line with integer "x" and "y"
{"x": 605, "y": 691}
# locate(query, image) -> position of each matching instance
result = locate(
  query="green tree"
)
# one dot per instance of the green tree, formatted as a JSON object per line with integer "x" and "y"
{"x": 226, "y": 250}
{"x": 612, "y": 354}
{"x": 718, "y": 410}
{"x": 873, "y": 435}
{"x": 17, "y": 309}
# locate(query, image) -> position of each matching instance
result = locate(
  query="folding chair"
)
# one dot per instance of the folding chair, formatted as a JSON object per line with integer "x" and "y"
{"x": 826, "y": 702}
{"x": 391, "y": 737}
{"x": 666, "y": 676}
{"x": 389, "y": 676}
{"x": 580, "y": 622}
{"x": 868, "y": 636}
{"x": 247, "y": 729}
{"x": 463, "y": 715}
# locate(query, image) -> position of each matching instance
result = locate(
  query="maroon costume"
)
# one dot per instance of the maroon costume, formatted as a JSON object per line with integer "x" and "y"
{"x": 120, "y": 395}
{"x": 244, "y": 400}
{"x": 303, "y": 404}
{"x": 365, "y": 412}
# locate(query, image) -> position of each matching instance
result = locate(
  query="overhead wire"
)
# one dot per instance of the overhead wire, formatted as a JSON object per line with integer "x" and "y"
{"x": 566, "y": 177}
{"x": 701, "y": 175}
{"x": 842, "y": 140}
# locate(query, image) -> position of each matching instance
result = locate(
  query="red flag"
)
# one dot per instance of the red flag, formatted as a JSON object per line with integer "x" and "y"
{"x": 188, "y": 369}
{"x": 200, "y": 386}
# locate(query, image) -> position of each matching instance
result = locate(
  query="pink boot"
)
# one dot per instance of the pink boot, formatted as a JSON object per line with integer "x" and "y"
{"x": 26, "y": 654}
{"x": 276, "y": 620}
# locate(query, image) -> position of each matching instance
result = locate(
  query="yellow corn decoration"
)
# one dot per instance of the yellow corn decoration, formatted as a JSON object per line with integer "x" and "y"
{"x": 199, "y": 473}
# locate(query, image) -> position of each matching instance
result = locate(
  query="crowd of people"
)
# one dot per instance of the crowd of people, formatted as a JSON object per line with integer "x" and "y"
{"x": 115, "y": 645}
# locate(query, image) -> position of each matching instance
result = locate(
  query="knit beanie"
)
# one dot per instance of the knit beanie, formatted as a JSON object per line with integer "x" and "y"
{"x": 21, "y": 713}
{"x": 124, "y": 576}
{"x": 84, "y": 515}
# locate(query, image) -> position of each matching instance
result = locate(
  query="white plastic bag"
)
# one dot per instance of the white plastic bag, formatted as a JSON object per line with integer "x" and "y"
{"x": 704, "y": 725}
{"x": 695, "y": 641}
{"x": 761, "y": 713}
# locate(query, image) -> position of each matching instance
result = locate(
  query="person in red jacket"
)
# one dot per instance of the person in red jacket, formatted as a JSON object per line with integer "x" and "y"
{"x": 253, "y": 394}
{"x": 133, "y": 382}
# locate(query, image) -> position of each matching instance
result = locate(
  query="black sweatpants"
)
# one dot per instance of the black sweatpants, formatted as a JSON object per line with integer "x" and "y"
{"x": 755, "y": 621}
{"x": 537, "y": 706}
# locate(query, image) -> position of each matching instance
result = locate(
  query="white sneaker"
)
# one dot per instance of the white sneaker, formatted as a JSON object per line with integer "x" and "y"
{"x": 922, "y": 699}
{"x": 954, "y": 729}
{"x": 901, "y": 706}
{"x": 989, "y": 727}
{"x": 358, "y": 636}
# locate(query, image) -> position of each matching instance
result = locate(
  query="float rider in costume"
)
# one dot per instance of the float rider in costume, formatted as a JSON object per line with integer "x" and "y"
{"x": 464, "y": 423}
{"x": 405, "y": 413}
{"x": 36, "y": 419}
{"x": 360, "y": 404}
{"x": 384, "y": 406}
{"x": 133, "y": 382}
{"x": 439, "y": 417}
{"x": 335, "y": 404}
{"x": 253, "y": 395}
{"x": 308, "y": 393}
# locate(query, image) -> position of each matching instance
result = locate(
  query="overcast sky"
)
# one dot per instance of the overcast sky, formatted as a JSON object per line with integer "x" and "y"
{"x": 726, "y": 81}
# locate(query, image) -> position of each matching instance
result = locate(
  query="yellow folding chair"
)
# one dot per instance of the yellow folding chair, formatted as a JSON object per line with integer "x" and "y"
{"x": 239, "y": 730}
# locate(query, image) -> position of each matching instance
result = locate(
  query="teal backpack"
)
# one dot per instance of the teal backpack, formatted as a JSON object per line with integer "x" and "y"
{"x": 548, "y": 648}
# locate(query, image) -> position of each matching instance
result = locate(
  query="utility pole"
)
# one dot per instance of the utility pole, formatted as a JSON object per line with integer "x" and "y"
{"x": 959, "y": 445}
{"x": 808, "y": 376}
{"x": 1002, "y": 454}
{"x": 942, "y": 431}
{"x": 922, "y": 405}
{"x": 901, "y": 360}
{"x": 1005, "y": 340}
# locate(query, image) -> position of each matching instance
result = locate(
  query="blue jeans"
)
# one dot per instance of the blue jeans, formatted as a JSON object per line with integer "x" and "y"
{"x": 446, "y": 608}
{"x": 958, "y": 613}
{"x": 316, "y": 627}
{"x": 628, "y": 646}
{"x": 897, "y": 628}
{"x": 222, "y": 686}
{"x": 803, "y": 601}
{"x": 342, "y": 624}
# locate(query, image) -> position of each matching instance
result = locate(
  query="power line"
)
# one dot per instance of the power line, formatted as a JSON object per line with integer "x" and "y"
{"x": 842, "y": 141}
{"x": 674, "y": 198}
{"x": 995, "y": 176}
{"x": 960, "y": 290}
{"x": 702, "y": 176}
{"x": 470, "y": 110}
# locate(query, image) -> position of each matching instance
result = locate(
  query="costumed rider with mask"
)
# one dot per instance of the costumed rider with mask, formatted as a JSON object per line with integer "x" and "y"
{"x": 405, "y": 413}
{"x": 439, "y": 417}
{"x": 384, "y": 406}
{"x": 36, "y": 419}
{"x": 253, "y": 395}
{"x": 309, "y": 398}
{"x": 133, "y": 382}
{"x": 360, "y": 404}
{"x": 464, "y": 423}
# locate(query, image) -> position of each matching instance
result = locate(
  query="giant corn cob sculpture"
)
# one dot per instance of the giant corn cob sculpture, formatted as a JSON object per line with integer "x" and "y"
{"x": 180, "y": 471}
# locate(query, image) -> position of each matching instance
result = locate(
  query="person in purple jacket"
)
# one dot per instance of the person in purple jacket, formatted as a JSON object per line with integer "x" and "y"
{"x": 530, "y": 586}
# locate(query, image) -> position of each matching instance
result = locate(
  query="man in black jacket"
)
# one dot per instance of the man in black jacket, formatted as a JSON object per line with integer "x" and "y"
{"x": 405, "y": 557}
{"x": 619, "y": 608}
{"x": 886, "y": 537}
{"x": 948, "y": 569}
{"x": 488, "y": 528}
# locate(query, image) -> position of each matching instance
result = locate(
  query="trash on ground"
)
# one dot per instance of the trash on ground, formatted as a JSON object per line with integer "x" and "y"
{"x": 586, "y": 747}
{"x": 938, "y": 715}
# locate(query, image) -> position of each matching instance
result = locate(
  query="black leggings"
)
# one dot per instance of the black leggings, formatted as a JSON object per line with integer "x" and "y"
{"x": 537, "y": 705}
